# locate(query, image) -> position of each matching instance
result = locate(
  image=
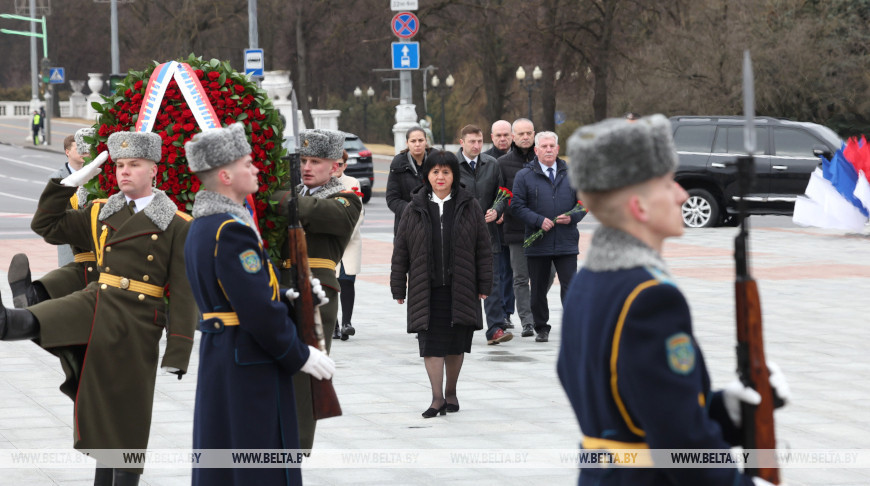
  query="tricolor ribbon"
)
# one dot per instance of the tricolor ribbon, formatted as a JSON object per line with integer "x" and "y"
{"x": 195, "y": 96}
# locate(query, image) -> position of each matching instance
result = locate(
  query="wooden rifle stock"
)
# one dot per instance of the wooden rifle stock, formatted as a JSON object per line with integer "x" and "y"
{"x": 324, "y": 400}
{"x": 758, "y": 427}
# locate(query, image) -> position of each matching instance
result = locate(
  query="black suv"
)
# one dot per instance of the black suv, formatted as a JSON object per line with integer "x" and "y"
{"x": 359, "y": 164}
{"x": 786, "y": 154}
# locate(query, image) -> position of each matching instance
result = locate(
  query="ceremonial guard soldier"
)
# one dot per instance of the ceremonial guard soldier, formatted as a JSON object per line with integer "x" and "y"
{"x": 62, "y": 281}
{"x": 137, "y": 236}
{"x": 629, "y": 361}
{"x": 249, "y": 347}
{"x": 328, "y": 214}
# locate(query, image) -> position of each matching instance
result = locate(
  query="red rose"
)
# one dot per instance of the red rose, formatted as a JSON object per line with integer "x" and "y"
{"x": 188, "y": 127}
{"x": 199, "y": 73}
{"x": 270, "y": 224}
{"x": 239, "y": 88}
{"x": 137, "y": 85}
{"x": 213, "y": 75}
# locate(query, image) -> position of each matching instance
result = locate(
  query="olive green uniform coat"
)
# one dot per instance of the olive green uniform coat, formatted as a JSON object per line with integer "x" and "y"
{"x": 328, "y": 218}
{"x": 121, "y": 328}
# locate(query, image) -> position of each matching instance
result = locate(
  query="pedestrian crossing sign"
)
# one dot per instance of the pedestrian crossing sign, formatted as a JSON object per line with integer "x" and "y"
{"x": 56, "y": 75}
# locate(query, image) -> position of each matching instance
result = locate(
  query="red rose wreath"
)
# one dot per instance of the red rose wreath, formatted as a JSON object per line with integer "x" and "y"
{"x": 235, "y": 98}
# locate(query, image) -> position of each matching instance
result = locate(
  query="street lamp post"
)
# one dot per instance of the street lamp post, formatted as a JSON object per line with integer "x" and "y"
{"x": 365, "y": 101}
{"x": 442, "y": 91}
{"x": 529, "y": 84}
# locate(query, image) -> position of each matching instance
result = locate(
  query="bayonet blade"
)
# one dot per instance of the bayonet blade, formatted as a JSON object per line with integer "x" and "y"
{"x": 748, "y": 104}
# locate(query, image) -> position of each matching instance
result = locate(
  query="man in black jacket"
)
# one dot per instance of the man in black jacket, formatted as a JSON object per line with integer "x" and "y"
{"x": 501, "y": 139}
{"x": 522, "y": 150}
{"x": 479, "y": 174}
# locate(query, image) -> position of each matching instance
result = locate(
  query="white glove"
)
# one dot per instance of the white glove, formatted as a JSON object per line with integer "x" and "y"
{"x": 778, "y": 382}
{"x": 319, "y": 365}
{"x": 318, "y": 291}
{"x": 733, "y": 394}
{"x": 291, "y": 294}
{"x": 760, "y": 482}
{"x": 87, "y": 172}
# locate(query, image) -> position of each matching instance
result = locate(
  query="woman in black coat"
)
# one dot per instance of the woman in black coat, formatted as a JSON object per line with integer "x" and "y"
{"x": 406, "y": 173}
{"x": 442, "y": 256}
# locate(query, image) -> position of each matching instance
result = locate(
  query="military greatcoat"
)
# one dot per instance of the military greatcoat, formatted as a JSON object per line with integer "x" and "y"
{"x": 633, "y": 371}
{"x": 71, "y": 277}
{"x": 122, "y": 317}
{"x": 249, "y": 348}
{"x": 328, "y": 218}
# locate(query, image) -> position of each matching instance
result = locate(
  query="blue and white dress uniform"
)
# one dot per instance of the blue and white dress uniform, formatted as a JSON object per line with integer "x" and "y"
{"x": 249, "y": 348}
{"x": 633, "y": 371}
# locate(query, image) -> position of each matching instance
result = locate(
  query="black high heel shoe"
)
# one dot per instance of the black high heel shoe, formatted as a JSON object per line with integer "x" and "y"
{"x": 452, "y": 407}
{"x": 431, "y": 412}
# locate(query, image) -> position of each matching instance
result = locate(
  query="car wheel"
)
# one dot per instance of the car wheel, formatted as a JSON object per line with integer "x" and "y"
{"x": 367, "y": 194}
{"x": 701, "y": 210}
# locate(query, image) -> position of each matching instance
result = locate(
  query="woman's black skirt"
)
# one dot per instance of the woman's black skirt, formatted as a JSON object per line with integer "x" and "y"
{"x": 442, "y": 339}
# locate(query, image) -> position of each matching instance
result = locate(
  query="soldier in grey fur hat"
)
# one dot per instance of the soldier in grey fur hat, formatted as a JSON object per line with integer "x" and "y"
{"x": 234, "y": 284}
{"x": 627, "y": 330}
{"x": 328, "y": 214}
{"x": 137, "y": 236}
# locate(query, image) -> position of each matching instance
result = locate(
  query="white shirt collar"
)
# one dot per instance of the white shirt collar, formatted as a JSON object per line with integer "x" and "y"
{"x": 440, "y": 202}
{"x": 544, "y": 167}
{"x": 141, "y": 202}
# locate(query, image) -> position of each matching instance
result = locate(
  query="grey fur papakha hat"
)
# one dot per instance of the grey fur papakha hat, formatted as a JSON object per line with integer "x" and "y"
{"x": 217, "y": 147}
{"x": 320, "y": 143}
{"x": 82, "y": 147}
{"x": 135, "y": 145}
{"x": 616, "y": 153}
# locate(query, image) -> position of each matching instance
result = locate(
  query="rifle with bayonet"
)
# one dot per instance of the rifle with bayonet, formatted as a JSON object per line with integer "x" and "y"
{"x": 758, "y": 427}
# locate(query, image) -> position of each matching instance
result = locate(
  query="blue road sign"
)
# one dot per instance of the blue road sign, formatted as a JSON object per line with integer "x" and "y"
{"x": 254, "y": 62}
{"x": 406, "y": 55}
{"x": 405, "y": 25}
{"x": 56, "y": 75}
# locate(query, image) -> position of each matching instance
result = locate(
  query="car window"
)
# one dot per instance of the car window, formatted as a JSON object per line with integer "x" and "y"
{"x": 353, "y": 145}
{"x": 730, "y": 140}
{"x": 794, "y": 143}
{"x": 694, "y": 138}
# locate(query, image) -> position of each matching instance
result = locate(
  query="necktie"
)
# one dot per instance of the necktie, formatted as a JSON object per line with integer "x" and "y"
{"x": 132, "y": 206}
{"x": 552, "y": 176}
{"x": 473, "y": 164}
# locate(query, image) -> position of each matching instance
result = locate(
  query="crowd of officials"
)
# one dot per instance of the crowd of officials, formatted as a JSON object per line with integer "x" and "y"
{"x": 494, "y": 226}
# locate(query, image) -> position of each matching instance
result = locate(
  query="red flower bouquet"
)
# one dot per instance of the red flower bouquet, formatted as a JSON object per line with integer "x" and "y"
{"x": 235, "y": 98}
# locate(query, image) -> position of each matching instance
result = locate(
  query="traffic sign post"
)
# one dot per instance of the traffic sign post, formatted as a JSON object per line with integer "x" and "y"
{"x": 56, "y": 75}
{"x": 254, "y": 62}
{"x": 405, "y": 25}
{"x": 400, "y": 5}
{"x": 406, "y": 55}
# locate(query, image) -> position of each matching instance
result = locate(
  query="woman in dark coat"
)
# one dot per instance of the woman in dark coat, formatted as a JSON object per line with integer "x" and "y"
{"x": 406, "y": 173}
{"x": 443, "y": 257}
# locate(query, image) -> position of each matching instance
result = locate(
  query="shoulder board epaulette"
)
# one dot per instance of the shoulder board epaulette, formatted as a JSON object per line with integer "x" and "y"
{"x": 660, "y": 276}
{"x": 238, "y": 220}
{"x": 184, "y": 216}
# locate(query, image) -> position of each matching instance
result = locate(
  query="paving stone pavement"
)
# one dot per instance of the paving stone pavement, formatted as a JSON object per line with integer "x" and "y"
{"x": 814, "y": 288}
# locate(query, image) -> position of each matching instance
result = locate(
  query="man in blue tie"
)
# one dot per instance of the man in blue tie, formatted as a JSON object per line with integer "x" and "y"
{"x": 542, "y": 197}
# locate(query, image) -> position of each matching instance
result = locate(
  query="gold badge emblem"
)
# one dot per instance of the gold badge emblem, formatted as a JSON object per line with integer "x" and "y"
{"x": 125, "y": 144}
{"x": 305, "y": 143}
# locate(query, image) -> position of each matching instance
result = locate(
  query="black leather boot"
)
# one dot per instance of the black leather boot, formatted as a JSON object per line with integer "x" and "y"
{"x": 336, "y": 333}
{"x": 347, "y": 331}
{"x": 103, "y": 476}
{"x": 125, "y": 478}
{"x": 24, "y": 292}
{"x": 17, "y": 324}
